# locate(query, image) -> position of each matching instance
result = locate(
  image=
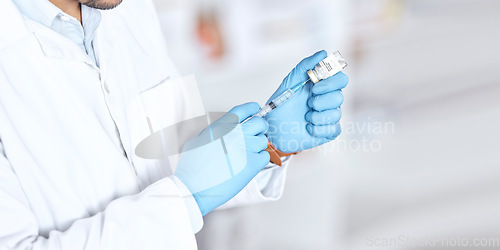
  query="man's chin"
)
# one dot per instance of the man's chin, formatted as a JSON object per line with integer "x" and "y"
{"x": 101, "y": 4}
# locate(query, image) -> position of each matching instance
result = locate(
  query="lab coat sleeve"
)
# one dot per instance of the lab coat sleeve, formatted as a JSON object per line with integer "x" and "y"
{"x": 156, "y": 218}
{"x": 268, "y": 185}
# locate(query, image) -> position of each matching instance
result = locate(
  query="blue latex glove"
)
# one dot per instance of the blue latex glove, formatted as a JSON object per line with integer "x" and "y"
{"x": 312, "y": 116}
{"x": 220, "y": 161}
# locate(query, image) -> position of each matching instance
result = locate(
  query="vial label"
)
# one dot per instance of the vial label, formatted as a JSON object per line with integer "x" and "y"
{"x": 331, "y": 65}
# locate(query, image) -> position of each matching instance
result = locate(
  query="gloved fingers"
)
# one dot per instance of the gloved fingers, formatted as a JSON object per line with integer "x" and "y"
{"x": 327, "y": 117}
{"x": 261, "y": 160}
{"x": 324, "y": 131}
{"x": 326, "y": 101}
{"x": 336, "y": 82}
{"x": 255, "y": 126}
{"x": 265, "y": 157}
{"x": 256, "y": 143}
{"x": 246, "y": 110}
{"x": 258, "y": 162}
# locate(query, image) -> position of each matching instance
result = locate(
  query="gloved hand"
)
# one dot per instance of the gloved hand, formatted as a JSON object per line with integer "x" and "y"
{"x": 311, "y": 117}
{"x": 220, "y": 161}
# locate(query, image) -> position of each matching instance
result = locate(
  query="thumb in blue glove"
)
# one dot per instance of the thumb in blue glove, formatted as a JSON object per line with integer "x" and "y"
{"x": 220, "y": 161}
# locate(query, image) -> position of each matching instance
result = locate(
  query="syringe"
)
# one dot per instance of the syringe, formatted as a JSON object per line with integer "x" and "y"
{"x": 278, "y": 101}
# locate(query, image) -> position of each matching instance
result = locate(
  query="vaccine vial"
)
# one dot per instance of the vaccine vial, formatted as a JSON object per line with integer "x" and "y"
{"x": 330, "y": 66}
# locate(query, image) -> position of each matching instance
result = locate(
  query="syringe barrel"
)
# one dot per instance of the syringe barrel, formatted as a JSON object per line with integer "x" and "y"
{"x": 283, "y": 97}
{"x": 264, "y": 111}
{"x": 276, "y": 102}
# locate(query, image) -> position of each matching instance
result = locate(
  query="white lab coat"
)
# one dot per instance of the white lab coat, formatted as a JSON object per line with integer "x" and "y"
{"x": 69, "y": 178}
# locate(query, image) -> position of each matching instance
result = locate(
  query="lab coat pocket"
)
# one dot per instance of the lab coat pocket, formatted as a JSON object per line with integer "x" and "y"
{"x": 164, "y": 105}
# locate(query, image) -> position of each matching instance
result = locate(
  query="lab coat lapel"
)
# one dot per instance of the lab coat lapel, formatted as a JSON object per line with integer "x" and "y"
{"x": 55, "y": 45}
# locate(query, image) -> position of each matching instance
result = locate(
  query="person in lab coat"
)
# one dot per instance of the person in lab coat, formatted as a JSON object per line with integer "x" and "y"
{"x": 69, "y": 178}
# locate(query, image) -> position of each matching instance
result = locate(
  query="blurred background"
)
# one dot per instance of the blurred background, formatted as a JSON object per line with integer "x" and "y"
{"x": 419, "y": 157}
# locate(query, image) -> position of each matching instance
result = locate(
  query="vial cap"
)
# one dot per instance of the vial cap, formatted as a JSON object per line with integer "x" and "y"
{"x": 312, "y": 76}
